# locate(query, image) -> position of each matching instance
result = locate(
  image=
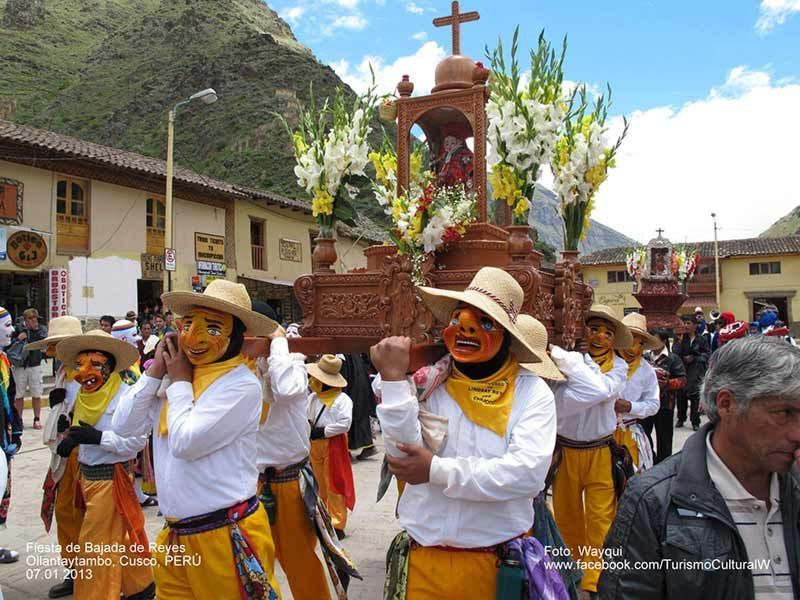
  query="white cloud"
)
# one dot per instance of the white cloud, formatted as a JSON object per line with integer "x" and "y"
{"x": 414, "y": 9}
{"x": 420, "y": 36}
{"x": 292, "y": 15}
{"x": 772, "y": 13}
{"x": 733, "y": 153}
{"x": 420, "y": 66}
{"x": 351, "y": 22}
{"x": 351, "y": 4}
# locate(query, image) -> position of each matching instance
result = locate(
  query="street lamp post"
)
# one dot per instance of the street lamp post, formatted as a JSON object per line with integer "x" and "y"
{"x": 716, "y": 259}
{"x": 207, "y": 96}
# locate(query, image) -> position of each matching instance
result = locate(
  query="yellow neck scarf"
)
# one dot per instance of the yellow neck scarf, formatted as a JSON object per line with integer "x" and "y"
{"x": 633, "y": 366}
{"x": 486, "y": 402}
{"x": 605, "y": 361}
{"x": 90, "y": 406}
{"x": 328, "y": 396}
{"x": 204, "y": 376}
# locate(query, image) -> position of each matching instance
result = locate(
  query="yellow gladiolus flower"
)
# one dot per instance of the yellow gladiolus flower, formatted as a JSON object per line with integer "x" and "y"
{"x": 322, "y": 203}
{"x": 299, "y": 143}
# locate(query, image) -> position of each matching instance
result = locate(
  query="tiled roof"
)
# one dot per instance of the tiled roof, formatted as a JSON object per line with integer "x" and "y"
{"x": 727, "y": 248}
{"x": 60, "y": 146}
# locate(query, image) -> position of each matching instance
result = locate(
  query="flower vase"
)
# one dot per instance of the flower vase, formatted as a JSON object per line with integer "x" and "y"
{"x": 324, "y": 256}
{"x": 520, "y": 244}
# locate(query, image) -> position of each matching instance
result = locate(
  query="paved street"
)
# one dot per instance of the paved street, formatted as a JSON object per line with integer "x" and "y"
{"x": 370, "y": 527}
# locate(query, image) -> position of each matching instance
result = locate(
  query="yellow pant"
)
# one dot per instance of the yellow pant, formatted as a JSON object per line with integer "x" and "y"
{"x": 209, "y": 572}
{"x": 68, "y": 517}
{"x": 625, "y": 437}
{"x": 584, "y": 504}
{"x": 102, "y": 524}
{"x": 334, "y": 502}
{"x": 436, "y": 573}
{"x": 295, "y": 542}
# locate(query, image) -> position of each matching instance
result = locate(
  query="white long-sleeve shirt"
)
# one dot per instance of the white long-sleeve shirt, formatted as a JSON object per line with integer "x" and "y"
{"x": 482, "y": 485}
{"x": 283, "y": 439}
{"x": 585, "y": 401}
{"x": 113, "y": 447}
{"x": 208, "y": 460}
{"x": 642, "y": 391}
{"x": 336, "y": 419}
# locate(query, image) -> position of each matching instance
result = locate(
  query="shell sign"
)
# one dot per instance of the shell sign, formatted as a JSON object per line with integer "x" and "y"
{"x": 27, "y": 249}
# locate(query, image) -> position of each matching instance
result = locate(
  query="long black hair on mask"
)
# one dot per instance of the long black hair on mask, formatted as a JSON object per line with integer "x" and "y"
{"x": 484, "y": 369}
{"x": 237, "y": 340}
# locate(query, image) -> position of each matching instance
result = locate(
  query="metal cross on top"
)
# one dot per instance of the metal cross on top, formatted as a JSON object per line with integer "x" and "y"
{"x": 455, "y": 19}
{"x": 659, "y": 231}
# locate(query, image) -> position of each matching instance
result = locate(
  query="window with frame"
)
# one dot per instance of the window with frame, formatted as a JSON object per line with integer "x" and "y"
{"x": 619, "y": 277}
{"x": 72, "y": 216}
{"x": 257, "y": 243}
{"x": 765, "y": 268}
{"x": 156, "y": 223}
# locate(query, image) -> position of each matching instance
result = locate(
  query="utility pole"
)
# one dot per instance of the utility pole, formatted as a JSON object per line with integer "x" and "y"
{"x": 716, "y": 259}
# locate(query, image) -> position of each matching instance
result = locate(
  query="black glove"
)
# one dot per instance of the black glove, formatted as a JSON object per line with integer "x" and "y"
{"x": 85, "y": 434}
{"x": 66, "y": 447}
{"x": 318, "y": 433}
{"x": 63, "y": 424}
{"x": 57, "y": 396}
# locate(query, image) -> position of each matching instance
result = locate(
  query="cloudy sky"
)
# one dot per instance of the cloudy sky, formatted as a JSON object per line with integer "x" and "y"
{"x": 711, "y": 88}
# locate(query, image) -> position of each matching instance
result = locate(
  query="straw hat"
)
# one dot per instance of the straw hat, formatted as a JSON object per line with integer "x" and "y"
{"x": 224, "y": 296}
{"x": 97, "y": 339}
{"x": 637, "y": 323}
{"x": 536, "y": 333}
{"x": 58, "y": 329}
{"x": 496, "y": 293}
{"x": 327, "y": 371}
{"x": 622, "y": 336}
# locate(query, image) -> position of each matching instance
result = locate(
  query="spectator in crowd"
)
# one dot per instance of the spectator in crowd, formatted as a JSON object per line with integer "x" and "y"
{"x": 169, "y": 321}
{"x": 671, "y": 375}
{"x": 28, "y": 376}
{"x": 731, "y": 498}
{"x": 131, "y": 316}
{"x": 694, "y": 350}
{"x": 159, "y": 325}
{"x": 146, "y": 332}
{"x": 107, "y": 323}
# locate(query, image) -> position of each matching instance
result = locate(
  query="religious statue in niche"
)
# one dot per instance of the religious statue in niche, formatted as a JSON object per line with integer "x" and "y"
{"x": 454, "y": 160}
{"x": 660, "y": 264}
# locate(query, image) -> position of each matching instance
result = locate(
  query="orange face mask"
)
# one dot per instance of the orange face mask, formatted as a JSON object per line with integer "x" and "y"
{"x": 205, "y": 335}
{"x": 635, "y": 351}
{"x": 315, "y": 385}
{"x": 93, "y": 370}
{"x": 472, "y": 336}
{"x": 601, "y": 337}
{"x": 50, "y": 351}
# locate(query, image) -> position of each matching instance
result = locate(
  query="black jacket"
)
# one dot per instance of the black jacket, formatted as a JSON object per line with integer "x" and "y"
{"x": 674, "y": 511}
{"x": 35, "y": 357}
{"x": 696, "y": 352}
{"x": 673, "y": 365}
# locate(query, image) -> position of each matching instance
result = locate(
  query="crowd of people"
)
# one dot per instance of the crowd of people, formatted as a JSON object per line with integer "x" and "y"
{"x": 524, "y": 470}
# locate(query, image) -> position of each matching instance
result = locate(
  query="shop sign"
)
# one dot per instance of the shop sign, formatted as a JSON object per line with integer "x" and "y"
{"x": 205, "y": 267}
{"x": 209, "y": 247}
{"x": 58, "y": 290}
{"x": 152, "y": 267}
{"x": 26, "y": 249}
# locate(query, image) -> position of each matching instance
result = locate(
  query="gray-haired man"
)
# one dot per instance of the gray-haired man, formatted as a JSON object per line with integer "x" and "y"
{"x": 721, "y": 519}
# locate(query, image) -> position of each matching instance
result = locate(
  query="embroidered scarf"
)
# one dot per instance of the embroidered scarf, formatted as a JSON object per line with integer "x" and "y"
{"x": 633, "y": 366}
{"x": 329, "y": 396}
{"x": 204, "y": 376}
{"x": 486, "y": 402}
{"x": 605, "y": 361}
{"x": 90, "y": 406}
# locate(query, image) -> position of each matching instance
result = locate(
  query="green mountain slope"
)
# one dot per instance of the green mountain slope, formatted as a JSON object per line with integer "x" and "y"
{"x": 785, "y": 226}
{"x": 108, "y": 71}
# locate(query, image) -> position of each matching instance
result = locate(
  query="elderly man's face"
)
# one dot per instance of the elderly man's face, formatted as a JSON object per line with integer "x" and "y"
{"x": 32, "y": 323}
{"x": 767, "y": 434}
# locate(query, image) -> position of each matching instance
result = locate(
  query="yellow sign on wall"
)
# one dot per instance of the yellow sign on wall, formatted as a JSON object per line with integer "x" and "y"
{"x": 209, "y": 247}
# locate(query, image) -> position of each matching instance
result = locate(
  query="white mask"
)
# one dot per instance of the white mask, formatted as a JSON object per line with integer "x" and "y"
{"x": 6, "y": 327}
